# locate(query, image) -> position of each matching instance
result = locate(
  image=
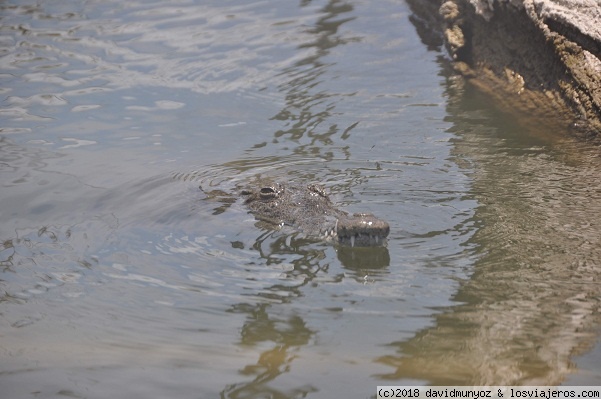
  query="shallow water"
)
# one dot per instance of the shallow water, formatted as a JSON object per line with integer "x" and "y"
{"x": 122, "y": 278}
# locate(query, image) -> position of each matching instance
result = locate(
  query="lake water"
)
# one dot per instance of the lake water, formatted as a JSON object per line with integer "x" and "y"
{"x": 122, "y": 275}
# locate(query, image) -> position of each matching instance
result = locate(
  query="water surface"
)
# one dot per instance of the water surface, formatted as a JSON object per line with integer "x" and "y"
{"x": 121, "y": 278}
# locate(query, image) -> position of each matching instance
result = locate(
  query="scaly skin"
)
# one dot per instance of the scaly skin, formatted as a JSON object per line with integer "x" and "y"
{"x": 309, "y": 209}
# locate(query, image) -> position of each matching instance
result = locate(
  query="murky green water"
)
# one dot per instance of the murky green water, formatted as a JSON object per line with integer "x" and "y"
{"x": 120, "y": 278}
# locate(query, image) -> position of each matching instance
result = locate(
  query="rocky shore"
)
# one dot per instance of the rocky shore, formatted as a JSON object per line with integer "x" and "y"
{"x": 538, "y": 59}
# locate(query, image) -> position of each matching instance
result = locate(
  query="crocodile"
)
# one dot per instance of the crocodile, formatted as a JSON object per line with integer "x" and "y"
{"x": 309, "y": 209}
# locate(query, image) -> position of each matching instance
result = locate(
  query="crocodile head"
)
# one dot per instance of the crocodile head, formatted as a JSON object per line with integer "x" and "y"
{"x": 309, "y": 210}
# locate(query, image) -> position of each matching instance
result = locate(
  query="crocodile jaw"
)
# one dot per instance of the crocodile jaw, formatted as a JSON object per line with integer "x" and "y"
{"x": 361, "y": 230}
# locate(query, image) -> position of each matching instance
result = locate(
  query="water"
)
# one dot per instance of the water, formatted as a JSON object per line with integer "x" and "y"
{"x": 121, "y": 278}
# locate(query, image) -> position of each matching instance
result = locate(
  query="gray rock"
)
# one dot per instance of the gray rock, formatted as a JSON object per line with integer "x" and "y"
{"x": 540, "y": 59}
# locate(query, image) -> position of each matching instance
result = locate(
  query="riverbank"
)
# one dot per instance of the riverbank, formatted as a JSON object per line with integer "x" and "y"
{"x": 538, "y": 59}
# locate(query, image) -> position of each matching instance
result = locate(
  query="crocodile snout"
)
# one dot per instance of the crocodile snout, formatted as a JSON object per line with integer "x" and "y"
{"x": 362, "y": 230}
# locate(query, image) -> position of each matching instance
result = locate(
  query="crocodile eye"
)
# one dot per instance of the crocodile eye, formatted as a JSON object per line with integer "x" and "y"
{"x": 268, "y": 193}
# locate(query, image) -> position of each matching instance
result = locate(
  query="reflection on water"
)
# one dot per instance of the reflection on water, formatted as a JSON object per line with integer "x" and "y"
{"x": 284, "y": 337}
{"x": 306, "y": 106}
{"x": 533, "y": 300}
{"x": 115, "y": 114}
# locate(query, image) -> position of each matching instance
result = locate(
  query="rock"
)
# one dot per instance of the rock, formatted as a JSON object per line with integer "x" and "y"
{"x": 537, "y": 58}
